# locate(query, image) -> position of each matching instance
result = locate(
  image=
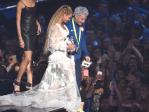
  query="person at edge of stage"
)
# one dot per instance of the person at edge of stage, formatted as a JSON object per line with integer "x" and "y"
{"x": 78, "y": 36}
{"x": 28, "y": 28}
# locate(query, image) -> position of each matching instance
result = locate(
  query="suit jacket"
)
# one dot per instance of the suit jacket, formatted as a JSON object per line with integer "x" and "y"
{"x": 82, "y": 48}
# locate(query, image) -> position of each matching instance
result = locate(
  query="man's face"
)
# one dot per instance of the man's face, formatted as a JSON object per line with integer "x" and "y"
{"x": 80, "y": 19}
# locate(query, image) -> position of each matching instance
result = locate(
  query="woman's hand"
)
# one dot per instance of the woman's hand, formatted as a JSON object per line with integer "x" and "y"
{"x": 71, "y": 47}
{"x": 38, "y": 28}
{"x": 22, "y": 45}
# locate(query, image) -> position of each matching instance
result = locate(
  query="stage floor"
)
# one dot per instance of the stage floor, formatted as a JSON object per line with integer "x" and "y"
{"x": 27, "y": 109}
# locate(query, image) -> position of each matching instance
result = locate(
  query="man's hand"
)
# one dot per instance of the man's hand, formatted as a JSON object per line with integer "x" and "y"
{"x": 87, "y": 58}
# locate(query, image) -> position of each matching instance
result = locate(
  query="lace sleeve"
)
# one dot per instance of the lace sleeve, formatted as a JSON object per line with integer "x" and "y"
{"x": 53, "y": 37}
{"x": 56, "y": 41}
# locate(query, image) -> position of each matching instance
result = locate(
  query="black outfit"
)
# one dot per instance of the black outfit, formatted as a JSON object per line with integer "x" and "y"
{"x": 28, "y": 27}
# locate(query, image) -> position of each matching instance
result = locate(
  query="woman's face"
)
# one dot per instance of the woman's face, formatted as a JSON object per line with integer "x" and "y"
{"x": 66, "y": 17}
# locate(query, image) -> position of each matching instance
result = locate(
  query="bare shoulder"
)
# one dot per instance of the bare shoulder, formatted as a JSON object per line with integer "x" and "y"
{"x": 20, "y": 4}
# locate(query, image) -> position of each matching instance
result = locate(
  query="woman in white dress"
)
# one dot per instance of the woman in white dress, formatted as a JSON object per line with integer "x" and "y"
{"x": 58, "y": 88}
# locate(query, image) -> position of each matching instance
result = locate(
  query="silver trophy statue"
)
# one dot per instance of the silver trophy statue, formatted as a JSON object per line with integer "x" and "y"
{"x": 70, "y": 40}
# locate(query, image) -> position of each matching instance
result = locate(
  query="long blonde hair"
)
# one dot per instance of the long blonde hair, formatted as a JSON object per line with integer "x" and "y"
{"x": 56, "y": 18}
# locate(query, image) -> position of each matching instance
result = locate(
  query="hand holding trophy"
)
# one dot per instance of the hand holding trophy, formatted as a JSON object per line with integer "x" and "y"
{"x": 71, "y": 47}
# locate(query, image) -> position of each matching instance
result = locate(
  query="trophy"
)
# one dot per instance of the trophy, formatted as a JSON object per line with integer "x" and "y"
{"x": 70, "y": 41}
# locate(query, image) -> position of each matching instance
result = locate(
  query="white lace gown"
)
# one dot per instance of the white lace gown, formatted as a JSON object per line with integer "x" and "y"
{"x": 58, "y": 87}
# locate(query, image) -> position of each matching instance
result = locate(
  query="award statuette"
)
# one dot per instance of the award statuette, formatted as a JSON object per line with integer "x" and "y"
{"x": 71, "y": 41}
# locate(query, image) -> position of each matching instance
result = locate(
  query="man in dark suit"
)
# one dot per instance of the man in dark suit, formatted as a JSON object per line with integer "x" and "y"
{"x": 77, "y": 33}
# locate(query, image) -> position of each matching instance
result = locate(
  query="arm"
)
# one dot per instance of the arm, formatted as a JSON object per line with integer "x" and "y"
{"x": 9, "y": 67}
{"x": 70, "y": 45}
{"x": 38, "y": 27}
{"x": 51, "y": 39}
{"x": 113, "y": 88}
{"x": 128, "y": 49}
{"x": 131, "y": 48}
{"x": 136, "y": 51}
{"x": 56, "y": 41}
{"x": 18, "y": 23}
{"x": 84, "y": 48}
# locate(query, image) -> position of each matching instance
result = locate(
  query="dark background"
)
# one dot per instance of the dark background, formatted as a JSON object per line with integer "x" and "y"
{"x": 48, "y": 7}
